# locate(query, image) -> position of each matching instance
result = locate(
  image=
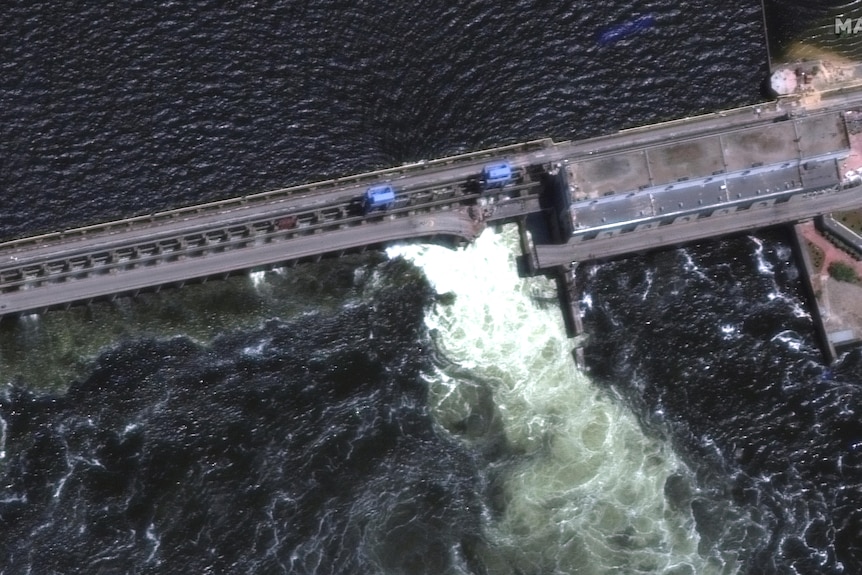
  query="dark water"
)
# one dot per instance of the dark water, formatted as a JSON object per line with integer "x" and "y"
{"x": 798, "y": 30}
{"x": 304, "y": 445}
{"x": 137, "y": 106}
{"x": 711, "y": 345}
{"x": 299, "y": 447}
{"x": 807, "y": 31}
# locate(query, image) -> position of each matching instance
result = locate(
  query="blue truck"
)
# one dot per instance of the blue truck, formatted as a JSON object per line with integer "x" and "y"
{"x": 496, "y": 175}
{"x": 379, "y": 197}
{"x": 626, "y": 29}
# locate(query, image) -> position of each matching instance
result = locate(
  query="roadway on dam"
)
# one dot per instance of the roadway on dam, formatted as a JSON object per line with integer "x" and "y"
{"x": 130, "y": 255}
{"x": 800, "y": 207}
{"x": 67, "y": 244}
{"x": 423, "y": 174}
{"x": 455, "y": 223}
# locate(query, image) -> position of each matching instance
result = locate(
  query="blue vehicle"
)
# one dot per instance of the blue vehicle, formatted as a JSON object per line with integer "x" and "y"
{"x": 379, "y": 197}
{"x": 497, "y": 175}
{"x": 626, "y": 29}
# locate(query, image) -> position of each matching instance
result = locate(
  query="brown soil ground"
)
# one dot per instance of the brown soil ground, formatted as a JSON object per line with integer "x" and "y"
{"x": 804, "y": 51}
{"x": 840, "y": 302}
{"x": 841, "y": 306}
{"x": 852, "y": 220}
{"x": 831, "y": 253}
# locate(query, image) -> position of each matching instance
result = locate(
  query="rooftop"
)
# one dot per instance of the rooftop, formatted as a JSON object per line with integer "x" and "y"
{"x": 708, "y": 170}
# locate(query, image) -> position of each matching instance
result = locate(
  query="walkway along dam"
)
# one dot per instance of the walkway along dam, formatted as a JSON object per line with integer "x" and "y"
{"x": 605, "y": 197}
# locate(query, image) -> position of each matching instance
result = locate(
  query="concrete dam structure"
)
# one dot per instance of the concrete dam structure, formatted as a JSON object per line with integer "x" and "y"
{"x": 604, "y": 197}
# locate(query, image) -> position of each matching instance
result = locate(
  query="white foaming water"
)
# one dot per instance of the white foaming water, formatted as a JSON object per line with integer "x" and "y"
{"x": 588, "y": 493}
{"x": 690, "y": 266}
{"x": 789, "y": 338}
{"x": 257, "y": 278}
{"x": 3, "y": 427}
{"x": 153, "y": 538}
{"x": 730, "y": 332}
{"x": 763, "y": 266}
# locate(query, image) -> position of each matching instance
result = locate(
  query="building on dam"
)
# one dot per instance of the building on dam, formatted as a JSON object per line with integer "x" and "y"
{"x": 714, "y": 174}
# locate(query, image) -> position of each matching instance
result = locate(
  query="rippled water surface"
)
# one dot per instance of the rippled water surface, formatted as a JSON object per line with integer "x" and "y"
{"x": 416, "y": 411}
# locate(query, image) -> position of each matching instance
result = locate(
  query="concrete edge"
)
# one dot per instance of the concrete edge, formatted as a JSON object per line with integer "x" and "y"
{"x": 806, "y": 269}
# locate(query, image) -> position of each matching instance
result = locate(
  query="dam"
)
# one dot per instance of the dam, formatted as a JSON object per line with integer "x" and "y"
{"x": 636, "y": 190}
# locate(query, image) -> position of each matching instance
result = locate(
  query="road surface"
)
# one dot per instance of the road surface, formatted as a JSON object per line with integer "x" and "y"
{"x": 452, "y": 223}
{"x": 799, "y": 208}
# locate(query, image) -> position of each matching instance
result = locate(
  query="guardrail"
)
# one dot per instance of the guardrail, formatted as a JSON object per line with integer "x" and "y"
{"x": 843, "y": 233}
{"x": 767, "y": 110}
{"x": 272, "y": 195}
{"x": 201, "y": 243}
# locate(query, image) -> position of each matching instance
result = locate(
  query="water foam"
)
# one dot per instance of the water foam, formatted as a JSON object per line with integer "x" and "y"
{"x": 763, "y": 266}
{"x": 587, "y": 494}
{"x": 3, "y": 428}
{"x": 257, "y": 278}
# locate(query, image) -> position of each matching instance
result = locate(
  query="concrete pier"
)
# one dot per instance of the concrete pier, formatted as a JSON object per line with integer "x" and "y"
{"x": 570, "y": 304}
{"x": 807, "y": 272}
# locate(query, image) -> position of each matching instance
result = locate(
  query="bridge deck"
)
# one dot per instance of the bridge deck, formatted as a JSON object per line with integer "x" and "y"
{"x": 443, "y": 197}
{"x": 625, "y": 243}
{"x": 455, "y": 223}
{"x": 705, "y": 171}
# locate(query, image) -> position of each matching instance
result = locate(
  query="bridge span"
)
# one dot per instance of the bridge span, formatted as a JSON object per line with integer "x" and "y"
{"x": 797, "y": 207}
{"x": 638, "y": 189}
{"x": 146, "y": 275}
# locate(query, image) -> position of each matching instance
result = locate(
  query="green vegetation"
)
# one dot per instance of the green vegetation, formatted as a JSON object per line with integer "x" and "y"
{"x": 842, "y": 272}
{"x": 851, "y": 219}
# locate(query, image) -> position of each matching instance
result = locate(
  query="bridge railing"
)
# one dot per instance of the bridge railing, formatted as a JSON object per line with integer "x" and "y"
{"x": 268, "y": 196}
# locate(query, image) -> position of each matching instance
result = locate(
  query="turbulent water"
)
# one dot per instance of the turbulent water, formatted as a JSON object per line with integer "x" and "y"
{"x": 418, "y": 412}
{"x": 713, "y": 346}
{"x": 576, "y": 487}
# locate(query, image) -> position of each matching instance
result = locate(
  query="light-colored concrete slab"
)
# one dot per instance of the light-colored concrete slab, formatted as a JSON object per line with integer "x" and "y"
{"x": 689, "y": 159}
{"x": 773, "y": 144}
{"x": 613, "y": 174}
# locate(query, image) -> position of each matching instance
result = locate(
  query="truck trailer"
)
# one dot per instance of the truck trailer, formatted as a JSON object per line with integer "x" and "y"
{"x": 380, "y": 197}
{"x": 496, "y": 175}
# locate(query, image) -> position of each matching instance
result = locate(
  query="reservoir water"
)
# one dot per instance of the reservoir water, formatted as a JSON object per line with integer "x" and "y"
{"x": 416, "y": 411}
